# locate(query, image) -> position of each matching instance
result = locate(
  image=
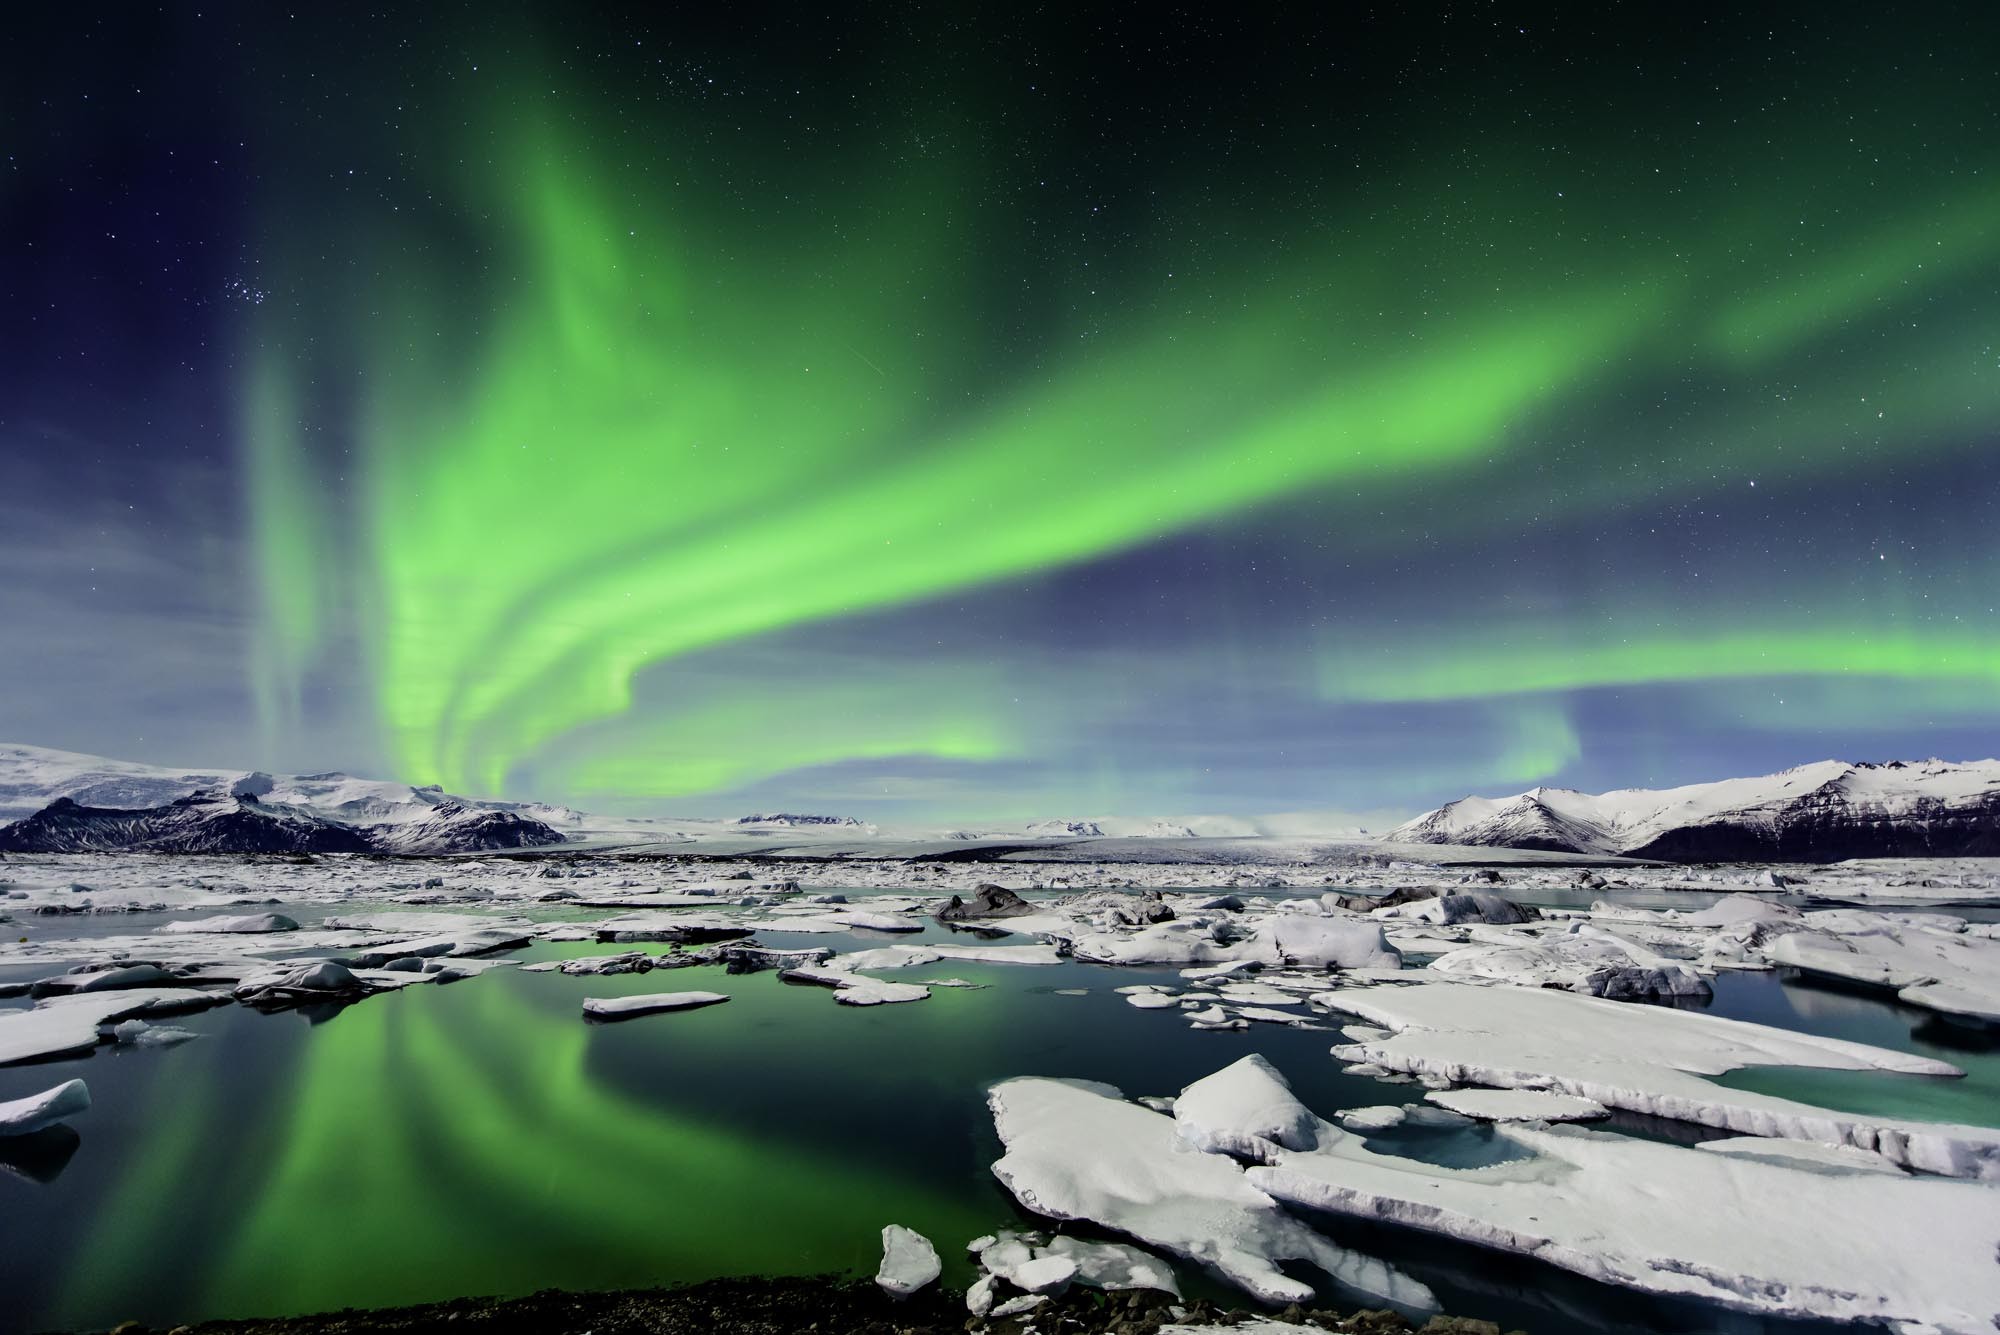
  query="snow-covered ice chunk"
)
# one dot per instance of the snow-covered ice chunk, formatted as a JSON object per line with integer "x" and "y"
{"x": 1026, "y": 1302}
{"x": 242, "y": 923}
{"x": 1953, "y": 971}
{"x": 1517, "y": 1105}
{"x": 1246, "y": 1110}
{"x": 1113, "y": 1265}
{"x": 1647, "y": 1059}
{"x": 649, "y": 1003}
{"x": 1214, "y": 1017}
{"x": 1376, "y": 1117}
{"x": 1732, "y": 910}
{"x": 1044, "y": 1274}
{"x": 139, "y": 1034}
{"x": 112, "y": 979}
{"x": 20, "y": 1117}
{"x": 870, "y": 992}
{"x": 1452, "y": 909}
{"x": 1344, "y": 942}
{"x": 1744, "y": 1232}
{"x": 1584, "y": 959}
{"x": 1804, "y": 1154}
{"x": 64, "y": 1026}
{"x": 1080, "y": 1152}
{"x": 909, "y": 1261}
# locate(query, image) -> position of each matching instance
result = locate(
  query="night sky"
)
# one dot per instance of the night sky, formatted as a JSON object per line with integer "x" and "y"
{"x": 1077, "y": 411}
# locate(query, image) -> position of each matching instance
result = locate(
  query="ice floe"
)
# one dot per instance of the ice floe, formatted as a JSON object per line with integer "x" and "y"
{"x": 241, "y": 923}
{"x": 1646, "y": 1059}
{"x": 909, "y": 1261}
{"x": 1740, "y": 1230}
{"x": 68, "y": 1026}
{"x": 1948, "y": 970}
{"x": 24, "y": 1116}
{"x": 1581, "y": 958}
{"x": 649, "y": 1003}
{"x": 1080, "y": 1152}
{"x": 1518, "y": 1105}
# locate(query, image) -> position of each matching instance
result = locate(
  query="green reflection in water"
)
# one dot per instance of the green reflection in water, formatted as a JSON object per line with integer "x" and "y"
{"x": 462, "y": 1140}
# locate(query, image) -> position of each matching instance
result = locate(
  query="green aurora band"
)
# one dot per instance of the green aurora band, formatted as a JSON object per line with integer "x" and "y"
{"x": 663, "y": 433}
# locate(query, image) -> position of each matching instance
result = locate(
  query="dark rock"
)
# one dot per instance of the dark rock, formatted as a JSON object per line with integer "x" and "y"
{"x": 988, "y": 901}
{"x": 749, "y": 957}
{"x": 1407, "y": 894}
{"x": 1482, "y": 906}
{"x": 1144, "y": 910}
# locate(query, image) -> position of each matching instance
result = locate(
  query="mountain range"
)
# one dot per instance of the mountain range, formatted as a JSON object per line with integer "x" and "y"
{"x": 71, "y": 803}
{"x": 61, "y": 801}
{"x": 1823, "y": 812}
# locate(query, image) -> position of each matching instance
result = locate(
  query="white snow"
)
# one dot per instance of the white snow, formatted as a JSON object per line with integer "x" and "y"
{"x": 1943, "y": 970}
{"x": 1629, "y": 818}
{"x": 1741, "y": 1231}
{"x": 1647, "y": 1059}
{"x": 1080, "y": 1152}
{"x": 909, "y": 1261}
{"x": 870, "y": 992}
{"x": 1113, "y": 1265}
{"x": 244, "y": 923}
{"x": 1518, "y": 1105}
{"x": 1245, "y": 1110}
{"x": 65, "y": 1026}
{"x": 649, "y": 1003}
{"x": 20, "y": 1117}
{"x": 1583, "y": 958}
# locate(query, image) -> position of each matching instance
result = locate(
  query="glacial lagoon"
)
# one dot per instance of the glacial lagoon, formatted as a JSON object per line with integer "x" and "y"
{"x": 482, "y": 1138}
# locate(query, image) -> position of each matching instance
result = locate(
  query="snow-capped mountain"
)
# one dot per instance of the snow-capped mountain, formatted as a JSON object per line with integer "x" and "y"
{"x": 452, "y": 827}
{"x": 31, "y": 777}
{"x": 204, "y": 822}
{"x": 794, "y": 820}
{"x": 1812, "y": 813}
{"x": 214, "y": 821}
{"x": 68, "y": 802}
{"x": 1153, "y": 829}
{"x": 1065, "y": 829}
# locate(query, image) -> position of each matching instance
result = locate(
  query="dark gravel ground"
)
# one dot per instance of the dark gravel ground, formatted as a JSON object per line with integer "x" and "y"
{"x": 792, "y": 1306}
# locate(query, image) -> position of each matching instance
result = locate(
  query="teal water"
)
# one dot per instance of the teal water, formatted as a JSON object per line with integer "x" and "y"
{"x": 1834, "y": 1013}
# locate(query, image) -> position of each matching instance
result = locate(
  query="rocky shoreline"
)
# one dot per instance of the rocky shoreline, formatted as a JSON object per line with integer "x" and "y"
{"x": 821, "y": 1306}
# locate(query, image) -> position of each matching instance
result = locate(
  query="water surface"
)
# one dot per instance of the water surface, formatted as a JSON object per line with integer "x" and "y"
{"x": 480, "y": 1137}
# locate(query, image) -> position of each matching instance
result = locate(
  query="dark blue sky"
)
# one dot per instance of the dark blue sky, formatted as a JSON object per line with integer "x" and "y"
{"x": 1107, "y": 412}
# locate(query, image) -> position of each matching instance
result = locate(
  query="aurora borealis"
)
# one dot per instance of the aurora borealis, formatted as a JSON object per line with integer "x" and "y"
{"x": 921, "y": 415}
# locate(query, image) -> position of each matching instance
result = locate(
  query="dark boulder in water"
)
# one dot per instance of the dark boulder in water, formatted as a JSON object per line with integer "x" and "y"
{"x": 988, "y": 901}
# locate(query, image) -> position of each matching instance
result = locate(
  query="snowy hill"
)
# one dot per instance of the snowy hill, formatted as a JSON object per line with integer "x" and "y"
{"x": 1825, "y": 811}
{"x": 1065, "y": 829}
{"x": 214, "y": 821}
{"x": 31, "y": 777}
{"x": 206, "y": 822}
{"x": 62, "y": 801}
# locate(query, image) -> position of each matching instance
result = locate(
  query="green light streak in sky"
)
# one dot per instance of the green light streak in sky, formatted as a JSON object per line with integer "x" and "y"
{"x": 899, "y": 714}
{"x": 288, "y": 535}
{"x": 1908, "y": 257}
{"x": 662, "y": 430}
{"x": 1565, "y": 659}
{"x": 1537, "y": 741}
{"x": 703, "y": 750}
{"x": 621, "y": 509}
